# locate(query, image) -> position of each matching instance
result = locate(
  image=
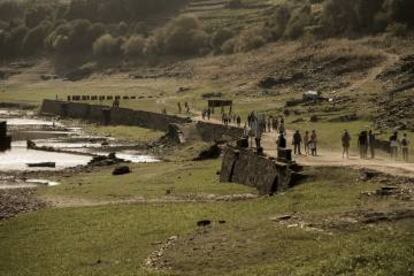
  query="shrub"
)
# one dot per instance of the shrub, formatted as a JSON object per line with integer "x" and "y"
{"x": 182, "y": 36}
{"x": 278, "y": 21}
{"x": 250, "y": 39}
{"x": 400, "y": 11}
{"x": 10, "y": 10}
{"x": 134, "y": 46}
{"x": 106, "y": 46}
{"x": 299, "y": 19}
{"x": 220, "y": 37}
{"x": 229, "y": 46}
{"x": 74, "y": 36}
{"x": 398, "y": 29}
{"x": 33, "y": 40}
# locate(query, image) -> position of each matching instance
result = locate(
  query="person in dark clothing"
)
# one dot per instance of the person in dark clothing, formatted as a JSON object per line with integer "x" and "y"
{"x": 238, "y": 120}
{"x": 281, "y": 141}
{"x": 346, "y": 143}
{"x": 297, "y": 141}
{"x": 363, "y": 144}
{"x": 371, "y": 144}
{"x": 208, "y": 114}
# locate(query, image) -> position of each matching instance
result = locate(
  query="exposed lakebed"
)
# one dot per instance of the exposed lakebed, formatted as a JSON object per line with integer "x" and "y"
{"x": 72, "y": 146}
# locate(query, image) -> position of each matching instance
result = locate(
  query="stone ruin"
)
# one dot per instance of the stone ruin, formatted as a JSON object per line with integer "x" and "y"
{"x": 5, "y": 140}
{"x": 267, "y": 175}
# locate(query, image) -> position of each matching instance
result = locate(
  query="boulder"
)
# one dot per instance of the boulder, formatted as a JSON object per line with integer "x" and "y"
{"x": 121, "y": 170}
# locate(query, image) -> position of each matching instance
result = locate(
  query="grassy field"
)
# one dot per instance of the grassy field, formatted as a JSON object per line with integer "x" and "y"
{"x": 116, "y": 239}
{"x": 126, "y": 133}
{"x": 183, "y": 180}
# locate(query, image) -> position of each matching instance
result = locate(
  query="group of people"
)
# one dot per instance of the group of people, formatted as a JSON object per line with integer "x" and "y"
{"x": 231, "y": 118}
{"x": 257, "y": 124}
{"x": 396, "y": 144}
{"x": 266, "y": 123}
{"x": 309, "y": 140}
{"x": 367, "y": 145}
{"x": 186, "y": 107}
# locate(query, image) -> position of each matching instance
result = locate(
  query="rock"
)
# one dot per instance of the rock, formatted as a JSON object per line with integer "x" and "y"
{"x": 203, "y": 223}
{"x": 314, "y": 118}
{"x": 366, "y": 175}
{"x": 121, "y": 170}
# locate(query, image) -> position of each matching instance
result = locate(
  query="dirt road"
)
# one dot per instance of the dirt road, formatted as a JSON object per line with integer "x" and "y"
{"x": 330, "y": 158}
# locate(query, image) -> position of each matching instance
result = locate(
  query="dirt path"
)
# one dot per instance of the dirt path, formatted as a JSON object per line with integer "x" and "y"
{"x": 334, "y": 158}
{"x": 64, "y": 202}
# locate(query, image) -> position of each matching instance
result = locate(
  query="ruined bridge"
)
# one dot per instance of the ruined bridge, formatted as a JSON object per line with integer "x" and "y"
{"x": 208, "y": 132}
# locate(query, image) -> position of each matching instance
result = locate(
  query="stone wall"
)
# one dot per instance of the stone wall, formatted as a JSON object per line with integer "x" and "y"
{"x": 208, "y": 132}
{"x": 109, "y": 115}
{"x": 267, "y": 175}
{"x": 218, "y": 133}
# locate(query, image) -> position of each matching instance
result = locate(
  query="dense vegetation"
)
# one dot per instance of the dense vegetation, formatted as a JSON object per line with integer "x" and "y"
{"x": 112, "y": 28}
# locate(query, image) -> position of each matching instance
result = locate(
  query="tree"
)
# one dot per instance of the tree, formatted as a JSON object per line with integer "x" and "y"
{"x": 106, "y": 46}
{"x": 134, "y": 46}
{"x": 33, "y": 41}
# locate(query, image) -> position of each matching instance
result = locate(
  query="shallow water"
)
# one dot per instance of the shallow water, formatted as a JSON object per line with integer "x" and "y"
{"x": 18, "y": 157}
{"x": 73, "y": 139}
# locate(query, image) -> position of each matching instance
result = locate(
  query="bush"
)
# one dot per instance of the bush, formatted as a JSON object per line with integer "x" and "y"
{"x": 74, "y": 36}
{"x": 220, "y": 37}
{"x": 249, "y": 40}
{"x": 106, "y": 46}
{"x": 277, "y": 23}
{"x": 229, "y": 46}
{"x": 10, "y": 10}
{"x": 33, "y": 41}
{"x": 182, "y": 36}
{"x": 398, "y": 29}
{"x": 134, "y": 46}
{"x": 400, "y": 11}
{"x": 300, "y": 18}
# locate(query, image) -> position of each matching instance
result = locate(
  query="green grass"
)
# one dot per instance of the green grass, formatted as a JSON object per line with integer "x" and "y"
{"x": 125, "y": 133}
{"x": 152, "y": 180}
{"x": 115, "y": 239}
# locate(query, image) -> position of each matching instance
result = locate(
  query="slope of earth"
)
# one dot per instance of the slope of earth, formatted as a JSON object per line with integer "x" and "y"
{"x": 97, "y": 232}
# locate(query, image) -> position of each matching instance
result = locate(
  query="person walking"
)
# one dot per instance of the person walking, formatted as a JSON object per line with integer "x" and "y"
{"x": 179, "y": 108}
{"x": 371, "y": 144}
{"x": 313, "y": 144}
{"x": 238, "y": 120}
{"x": 405, "y": 144}
{"x": 363, "y": 144}
{"x": 208, "y": 114}
{"x": 394, "y": 144}
{"x": 297, "y": 141}
{"x": 281, "y": 142}
{"x": 306, "y": 140}
{"x": 275, "y": 124}
{"x": 269, "y": 123}
{"x": 346, "y": 143}
{"x": 258, "y": 130}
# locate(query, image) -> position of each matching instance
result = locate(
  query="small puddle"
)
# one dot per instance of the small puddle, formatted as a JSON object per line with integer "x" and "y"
{"x": 43, "y": 182}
